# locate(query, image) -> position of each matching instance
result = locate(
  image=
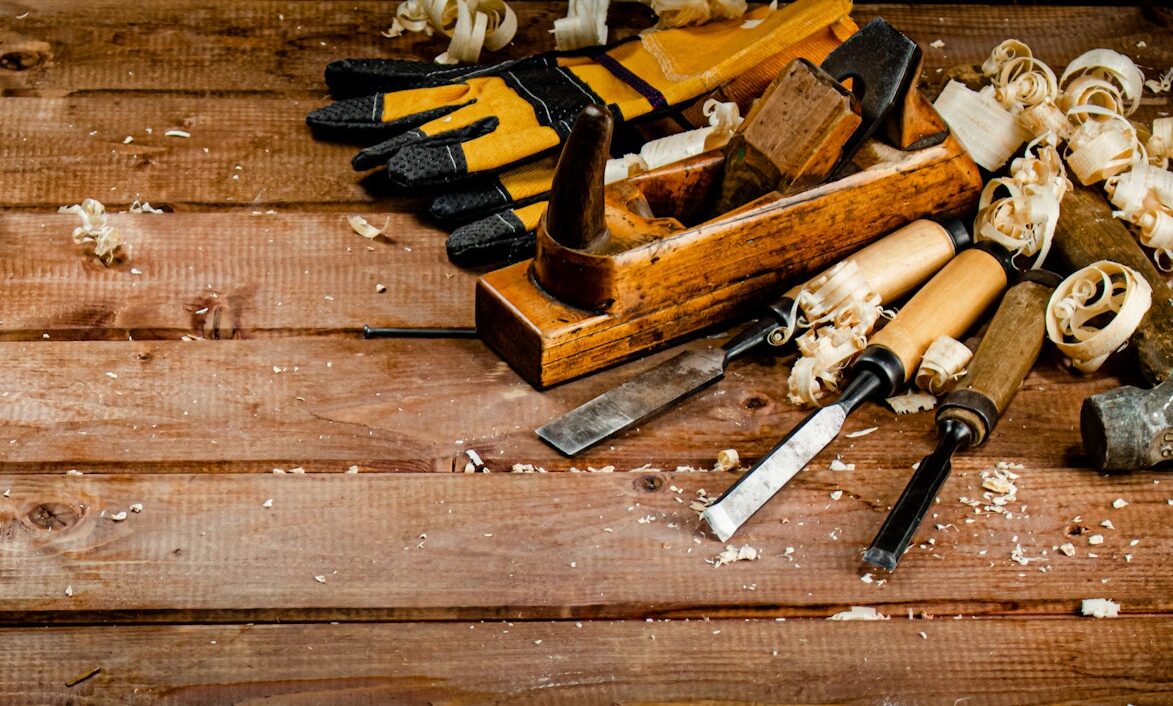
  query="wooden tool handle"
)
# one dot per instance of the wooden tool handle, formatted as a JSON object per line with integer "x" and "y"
{"x": 946, "y": 306}
{"x": 1088, "y": 233}
{"x": 905, "y": 258}
{"x": 1004, "y": 357}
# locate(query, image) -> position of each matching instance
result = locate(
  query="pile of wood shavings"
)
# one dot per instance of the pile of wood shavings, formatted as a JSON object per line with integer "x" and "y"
{"x": 732, "y": 554}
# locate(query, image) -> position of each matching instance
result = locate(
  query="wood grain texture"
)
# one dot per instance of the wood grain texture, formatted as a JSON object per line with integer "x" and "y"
{"x": 221, "y": 275}
{"x": 1015, "y": 662}
{"x": 280, "y": 48}
{"x": 404, "y": 405}
{"x": 537, "y": 546}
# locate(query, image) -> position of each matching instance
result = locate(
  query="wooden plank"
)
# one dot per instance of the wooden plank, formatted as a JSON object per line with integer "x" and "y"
{"x": 280, "y": 48}
{"x": 732, "y": 662}
{"x": 248, "y": 153}
{"x": 416, "y": 405}
{"x": 537, "y": 546}
{"x": 226, "y": 276}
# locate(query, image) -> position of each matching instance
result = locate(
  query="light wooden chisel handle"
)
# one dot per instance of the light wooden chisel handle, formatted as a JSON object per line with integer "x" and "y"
{"x": 1004, "y": 357}
{"x": 948, "y": 305}
{"x": 900, "y": 261}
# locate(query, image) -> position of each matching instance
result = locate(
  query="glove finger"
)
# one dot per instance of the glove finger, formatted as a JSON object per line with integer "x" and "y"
{"x": 427, "y": 163}
{"x": 371, "y": 118}
{"x": 382, "y": 153}
{"x": 505, "y": 236}
{"x": 481, "y": 195}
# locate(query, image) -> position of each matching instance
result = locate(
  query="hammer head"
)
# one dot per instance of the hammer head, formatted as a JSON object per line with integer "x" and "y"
{"x": 1128, "y": 428}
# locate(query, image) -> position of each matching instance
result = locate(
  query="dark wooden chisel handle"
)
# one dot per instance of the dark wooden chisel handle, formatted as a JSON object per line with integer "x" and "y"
{"x": 948, "y": 305}
{"x": 1086, "y": 233}
{"x": 1004, "y": 357}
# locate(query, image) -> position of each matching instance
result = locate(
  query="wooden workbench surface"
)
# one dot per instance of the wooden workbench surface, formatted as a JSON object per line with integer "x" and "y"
{"x": 410, "y": 581}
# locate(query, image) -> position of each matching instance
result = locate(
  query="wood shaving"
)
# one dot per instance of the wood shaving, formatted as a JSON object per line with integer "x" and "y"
{"x": 1100, "y": 608}
{"x": 1107, "y": 67}
{"x": 475, "y": 464}
{"x": 989, "y": 132}
{"x": 118, "y": 516}
{"x": 1000, "y": 479}
{"x": 836, "y": 494}
{"x": 859, "y": 613}
{"x": 861, "y": 432}
{"x": 1020, "y": 212}
{"x": 724, "y": 119}
{"x": 69, "y": 591}
{"x": 267, "y": 504}
{"x": 526, "y": 468}
{"x": 1077, "y": 308}
{"x": 1005, "y": 52}
{"x": 840, "y": 308}
{"x": 732, "y": 554}
{"x": 1067, "y": 549}
{"x": 911, "y": 402}
{"x": 942, "y": 365}
{"x": 727, "y": 460}
{"x": 838, "y": 465}
{"x": 585, "y": 25}
{"x": 1024, "y": 82}
{"x": 184, "y": 134}
{"x": 321, "y": 578}
{"x": 472, "y": 24}
{"x": 1119, "y": 503}
{"x": 1101, "y": 149}
{"x": 144, "y": 207}
{"x": 1107, "y": 524}
{"x": 136, "y": 507}
{"x": 105, "y": 239}
{"x": 683, "y": 13}
{"x": 1162, "y": 84}
{"x": 1143, "y": 196}
{"x": 1095, "y": 539}
{"x": 365, "y": 228}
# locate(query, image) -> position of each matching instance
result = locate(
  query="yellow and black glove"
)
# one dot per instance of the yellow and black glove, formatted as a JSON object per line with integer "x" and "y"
{"x": 441, "y": 124}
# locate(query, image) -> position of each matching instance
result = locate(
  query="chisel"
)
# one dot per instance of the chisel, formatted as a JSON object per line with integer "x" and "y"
{"x": 893, "y": 266}
{"x": 948, "y": 305}
{"x": 969, "y": 413}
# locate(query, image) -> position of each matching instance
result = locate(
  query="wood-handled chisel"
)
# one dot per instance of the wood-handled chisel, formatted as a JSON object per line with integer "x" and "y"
{"x": 969, "y": 413}
{"x": 893, "y": 266}
{"x": 948, "y": 305}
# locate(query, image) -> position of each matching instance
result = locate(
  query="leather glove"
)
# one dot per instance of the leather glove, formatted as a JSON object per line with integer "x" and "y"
{"x": 440, "y": 124}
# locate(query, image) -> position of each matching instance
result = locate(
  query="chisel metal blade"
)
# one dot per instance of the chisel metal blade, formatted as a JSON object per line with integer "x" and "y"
{"x": 635, "y": 400}
{"x": 747, "y": 495}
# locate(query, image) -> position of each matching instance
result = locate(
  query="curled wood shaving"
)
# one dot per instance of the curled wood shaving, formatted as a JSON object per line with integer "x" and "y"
{"x": 1143, "y": 196}
{"x": 1045, "y": 118}
{"x": 942, "y": 365}
{"x": 1024, "y": 81}
{"x": 365, "y": 228}
{"x": 1106, "y": 67}
{"x": 840, "y": 307}
{"x": 1160, "y": 143}
{"x": 1100, "y": 149}
{"x": 989, "y": 132}
{"x": 727, "y": 460}
{"x": 1023, "y": 220}
{"x": 681, "y": 13}
{"x": 724, "y": 119}
{"x": 1078, "y": 307}
{"x": 105, "y": 239}
{"x": 471, "y": 24}
{"x": 585, "y": 25}
{"x": 1162, "y": 84}
{"x": 1003, "y": 53}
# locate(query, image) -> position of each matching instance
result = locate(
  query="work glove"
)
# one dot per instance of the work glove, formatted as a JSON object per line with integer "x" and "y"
{"x": 441, "y": 124}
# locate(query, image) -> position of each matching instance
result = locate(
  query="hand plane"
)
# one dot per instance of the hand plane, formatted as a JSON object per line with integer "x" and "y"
{"x": 817, "y": 172}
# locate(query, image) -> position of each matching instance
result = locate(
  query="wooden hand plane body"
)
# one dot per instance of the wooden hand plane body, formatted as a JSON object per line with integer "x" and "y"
{"x": 627, "y": 268}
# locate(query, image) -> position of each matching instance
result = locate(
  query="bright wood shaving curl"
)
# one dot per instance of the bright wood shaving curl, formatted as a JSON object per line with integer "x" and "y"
{"x": 724, "y": 119}
{"x": 1003, "y": 53}
{"x": 943, "y": 365}
{"x": 106, "y": 239}
{"x": 585, "y": 25}
{"x": 912, "y": 402}
{"x": 1103, "y": 66}
{"x": 471, "y": 24}
{"x": 682, "y": 13}
{"x": 1101, "y": 289}
{"x": 989, "y": 132}
{"x": 1020, "y": 212}
{"x": 840, "y": 307}
{"x": 1023, "y": 82}
{"x": 1162, "y": 84}
{"x": 1101, "y": 149}
{"x": 1143, "y": 196}
{"x": 1160, "y": 143}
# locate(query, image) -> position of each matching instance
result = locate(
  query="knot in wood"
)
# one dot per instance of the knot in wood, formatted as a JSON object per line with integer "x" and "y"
{"x": 649, "y": 483}
{"x": 54, "y": 515}
{"x": 22, "y": 55}
{"x": 755, "y": 402}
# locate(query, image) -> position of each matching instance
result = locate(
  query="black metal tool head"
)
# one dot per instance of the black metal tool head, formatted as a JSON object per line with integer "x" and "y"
{"x": 882, "y": 65}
